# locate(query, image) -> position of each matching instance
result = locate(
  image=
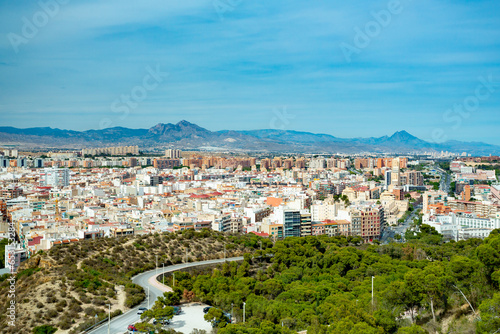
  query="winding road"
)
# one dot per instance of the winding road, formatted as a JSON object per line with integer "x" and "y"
{"x": 147, "y": 279}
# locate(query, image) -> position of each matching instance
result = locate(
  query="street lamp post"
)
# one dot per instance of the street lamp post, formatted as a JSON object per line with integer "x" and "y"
{"x": 224, "y": 252}
{"x": 163, "y": 274}
{"x": 109, "y": 318}
{"x": 148, "y": 296}
{"x": 372, "y": 290}
{"x": 173, "y": 282}
{"x": 244, "y": 311}
{"x": 156, "y": 268}
{"x": 232, "y": 307}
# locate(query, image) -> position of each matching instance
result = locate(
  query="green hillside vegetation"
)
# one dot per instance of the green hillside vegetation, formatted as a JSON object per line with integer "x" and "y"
{"x": 319, "y": 284}
{"x": 323, "y": 285}
{"x": 4, "y": 242}
{"x": 68, "y": 286}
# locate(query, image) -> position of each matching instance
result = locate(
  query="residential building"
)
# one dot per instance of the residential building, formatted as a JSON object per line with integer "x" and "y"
{"x": 55, "y": 177}
{"x": 291, "y": 223}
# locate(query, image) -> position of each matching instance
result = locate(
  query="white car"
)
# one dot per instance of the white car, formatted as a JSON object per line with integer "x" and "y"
{"x": 142, "y": 310}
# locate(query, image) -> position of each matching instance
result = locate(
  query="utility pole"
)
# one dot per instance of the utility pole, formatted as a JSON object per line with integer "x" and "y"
{"x": 163, "y": 274}
{"x": 109, "y": 317}
{"x": 156, "y": 268}
{"x": 148, "y": 296}
{"x": 224, "y": 252}
{"x": 186, "y": 255}
{"x": 244, "y": 311}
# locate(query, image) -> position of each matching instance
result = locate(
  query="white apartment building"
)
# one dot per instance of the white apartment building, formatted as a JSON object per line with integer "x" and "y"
{"x": 462, "y": 225}
{"x": 55, "y": 177}
{"x": 324, "y": 212}
{"x": 172, "y": 153}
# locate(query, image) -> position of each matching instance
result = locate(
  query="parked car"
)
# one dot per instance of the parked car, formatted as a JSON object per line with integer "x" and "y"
{"x": 177, "y": 309}
{"x": 142, "y": 310}
{"x": 132, "y": 328}
{"x": 163, "y": 321}
{"x": 215, "y": 323}
{"x": 229, "y": 317}
{"x": 206, "y": 309}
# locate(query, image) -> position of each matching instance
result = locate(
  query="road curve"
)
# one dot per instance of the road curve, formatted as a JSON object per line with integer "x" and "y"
{"x": 119, "y": 324}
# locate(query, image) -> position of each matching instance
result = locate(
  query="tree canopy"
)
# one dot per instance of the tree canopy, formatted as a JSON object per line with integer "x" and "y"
{"x": 323, "y": 284}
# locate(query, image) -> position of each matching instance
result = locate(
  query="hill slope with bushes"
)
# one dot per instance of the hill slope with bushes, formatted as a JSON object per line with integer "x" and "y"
{"x": 69, "y": 285}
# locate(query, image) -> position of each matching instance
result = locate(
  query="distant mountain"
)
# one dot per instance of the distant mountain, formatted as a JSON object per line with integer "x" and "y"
{"x": 182, "y": 130}
{"x": 186, "y": 135}
{"x": 290, "y": 136}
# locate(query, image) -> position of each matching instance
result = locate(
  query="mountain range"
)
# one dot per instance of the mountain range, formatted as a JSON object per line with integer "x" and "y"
{"x": 186, "y": 135}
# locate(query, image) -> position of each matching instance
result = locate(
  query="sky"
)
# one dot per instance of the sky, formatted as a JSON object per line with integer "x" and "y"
{"x": 345, "y": 68}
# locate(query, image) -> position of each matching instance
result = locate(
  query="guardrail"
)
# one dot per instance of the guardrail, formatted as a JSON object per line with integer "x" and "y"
{"x": 94, "y": 326}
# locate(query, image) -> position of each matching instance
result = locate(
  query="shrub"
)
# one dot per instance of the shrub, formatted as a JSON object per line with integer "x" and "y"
{"x": 65, "y": 323}
{"x": 52, "y": 313}
{"x": 74, "y": 307}
{"x": 45, "y": 329}
{"x": 99, "y": 301}
{"x": 91, "y": 311}
{"x": 27, "y": 272}
{"x": 62, "y": 303}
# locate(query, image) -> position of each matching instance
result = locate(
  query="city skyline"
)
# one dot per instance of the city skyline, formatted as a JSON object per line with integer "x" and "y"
{"x": 241, "y": 67}
{"x": 236, "y": 166}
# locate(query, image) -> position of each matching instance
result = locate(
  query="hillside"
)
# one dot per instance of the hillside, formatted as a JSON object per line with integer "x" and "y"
{"x": 70, "y": 284}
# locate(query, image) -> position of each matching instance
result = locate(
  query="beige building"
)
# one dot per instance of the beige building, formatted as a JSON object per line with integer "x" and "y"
{"x": 172, "y": 153}
{"x": 432, "y": 197}
{"x": 118, "y": 150}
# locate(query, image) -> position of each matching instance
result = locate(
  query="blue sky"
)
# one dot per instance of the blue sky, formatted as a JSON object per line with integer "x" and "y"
{"x": 238, "y": 66}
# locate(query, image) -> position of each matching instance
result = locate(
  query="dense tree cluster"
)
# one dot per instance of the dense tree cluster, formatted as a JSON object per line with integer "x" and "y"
{"x": 324, "y": 285}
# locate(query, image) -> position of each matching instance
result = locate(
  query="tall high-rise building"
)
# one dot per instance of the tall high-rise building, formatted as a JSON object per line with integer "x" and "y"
{"x": 395, "y": 176}
{"x": 387, "y": 179}
{"x": 414, "y": 178}
{"x": 305, "y": 224}
{"x": 55, "y": 177}
{"x": 172, "y": 153}
{"x": 288, "y": 164}
{"x": 133, "y": 162}
{"x": 265, "y": 163}
{"x": 300, "y": 163}
{"x": 38, "y": 163}
{"x": 291, "y": 223}
{"x": 276, "y": 163}
{"x": 318, "y": 163}
{"x": 366, "y": 222}
{"x": 21, "y": 162}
